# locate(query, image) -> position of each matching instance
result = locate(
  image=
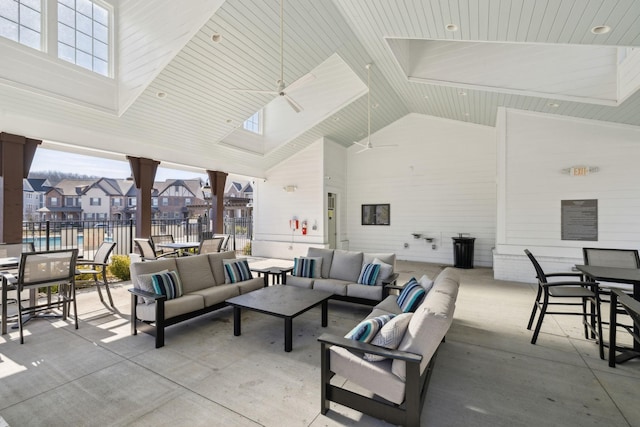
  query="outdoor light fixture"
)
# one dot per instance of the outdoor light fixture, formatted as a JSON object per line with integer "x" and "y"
{"x": 290, "y": 188}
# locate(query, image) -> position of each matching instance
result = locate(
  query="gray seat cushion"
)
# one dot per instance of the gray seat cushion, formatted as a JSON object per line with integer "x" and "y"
{"x": 364, "y": 291}
{"x": 172, "y": 308}
{"x": 336, "y": 287}
{"x": 301, "y": 282}
{"x": 216, "y": 294}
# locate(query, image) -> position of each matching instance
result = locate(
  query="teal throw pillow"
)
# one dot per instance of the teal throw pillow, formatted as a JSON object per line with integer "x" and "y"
{"x": 369, "y": 274}
{"x": 368, "y": 328}
{"x": 167, "y": 284}
{"x": 411, "y": 296}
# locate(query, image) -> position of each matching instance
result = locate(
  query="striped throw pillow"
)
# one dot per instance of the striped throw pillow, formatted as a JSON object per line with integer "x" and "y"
{"x": 369, "y": 274}
{"x": 411, "y": 296}
{"x": 236, "y": 270}
{"x": 368, "y": 328}
{"x": 303, "y": 267}
{"x": 168, "y": 284}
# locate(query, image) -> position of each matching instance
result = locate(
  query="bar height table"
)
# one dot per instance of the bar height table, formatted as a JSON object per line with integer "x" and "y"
{"x": 618, "y": 275}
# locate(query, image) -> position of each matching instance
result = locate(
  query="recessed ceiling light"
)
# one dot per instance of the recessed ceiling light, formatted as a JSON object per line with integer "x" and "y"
{"x": 466, "y": 114}
{"x": 451, "y": 27}
{"x": 462, "y": 93}
{"x": 336, "y": 119}
{"x": 215, "y": 37}
{"x": 161, "y": 95}
{"x": 229, "y": 120}
{"x": 601, "y": 29}
{"x": 426, "y": 97}
{"x": 374, "y": 106}
{"x": 553, "y": 105}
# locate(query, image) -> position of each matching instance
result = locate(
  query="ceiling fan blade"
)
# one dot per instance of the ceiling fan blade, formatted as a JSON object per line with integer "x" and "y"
{"x": 361, "y": 144}
{"x": 364, "y": 149}
{"x": 271, "y": 92}
{"x": 384, "y": 145}
{"x": 307, "y": 78}
{"x": 296, "y": 107}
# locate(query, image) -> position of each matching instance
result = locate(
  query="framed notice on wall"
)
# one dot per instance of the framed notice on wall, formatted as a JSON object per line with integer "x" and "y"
{"x": 376, "y": 214}
{"x": 580, "y": 220}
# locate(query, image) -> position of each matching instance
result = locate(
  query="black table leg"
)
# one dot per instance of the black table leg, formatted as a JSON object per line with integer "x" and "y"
{"x": 288, "y": 332}
{"x": 325, "y": 317}
{"x": 236, "y": 321}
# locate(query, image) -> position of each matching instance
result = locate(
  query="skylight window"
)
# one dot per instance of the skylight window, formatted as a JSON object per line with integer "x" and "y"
{"x": 21, "y": 21}
{"x": 83, "y": 34}
{"x": 254, "y": 123}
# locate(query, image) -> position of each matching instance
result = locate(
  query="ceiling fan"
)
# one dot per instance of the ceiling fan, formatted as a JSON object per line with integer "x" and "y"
{"x": 368, "y": 145}
{"x": 282, "y": 89}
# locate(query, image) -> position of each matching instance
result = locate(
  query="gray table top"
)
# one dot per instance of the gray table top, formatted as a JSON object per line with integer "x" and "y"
{"x": 280, "y": 300}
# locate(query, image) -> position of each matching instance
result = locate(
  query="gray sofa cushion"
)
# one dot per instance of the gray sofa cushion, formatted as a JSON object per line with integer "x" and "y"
{"x": 327, "y": 257}
{"x": 336, "y": 287}
{"x": 375, "y": 377}
{"x": 364, "y": 291}
{"x": 250, "y": 285}
{"x": 346, "y": 265}
{"x": 390, "y": 305}
{"x": 427, "y": 328}
{"x": 387, "y": 258}
{"x": 301, "y": 282}
{"x": 216, "y": 294}
{"x": 172, "y": 308}
{"x": 195, "y": 273}
{"x": 215, "y": 260}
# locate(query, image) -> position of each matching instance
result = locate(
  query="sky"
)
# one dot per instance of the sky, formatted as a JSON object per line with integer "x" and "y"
{"x": 54, "y": 160}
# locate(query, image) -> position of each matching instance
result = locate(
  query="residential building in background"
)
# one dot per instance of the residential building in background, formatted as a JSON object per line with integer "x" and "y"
{"x": 106, "y": 199}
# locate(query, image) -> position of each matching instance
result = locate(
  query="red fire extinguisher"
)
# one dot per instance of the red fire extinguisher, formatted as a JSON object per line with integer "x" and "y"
{"x": 304, "y": 228}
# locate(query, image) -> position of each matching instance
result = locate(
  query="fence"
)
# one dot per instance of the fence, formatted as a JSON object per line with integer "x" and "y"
{"x": 86, "y": 236}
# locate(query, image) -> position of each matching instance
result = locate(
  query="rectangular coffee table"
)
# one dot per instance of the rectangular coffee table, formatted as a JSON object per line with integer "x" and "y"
{"x": 281, "y": 301}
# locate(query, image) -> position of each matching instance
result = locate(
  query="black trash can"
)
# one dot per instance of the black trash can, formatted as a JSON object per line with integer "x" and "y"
{"x": 463, "y": 252}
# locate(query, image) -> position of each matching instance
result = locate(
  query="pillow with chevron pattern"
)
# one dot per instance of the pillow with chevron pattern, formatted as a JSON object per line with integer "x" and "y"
{"x": 390, "y": 335}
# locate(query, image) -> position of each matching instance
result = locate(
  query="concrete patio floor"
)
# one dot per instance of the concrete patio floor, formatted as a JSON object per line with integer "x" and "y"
{"x": 487, "y": 372}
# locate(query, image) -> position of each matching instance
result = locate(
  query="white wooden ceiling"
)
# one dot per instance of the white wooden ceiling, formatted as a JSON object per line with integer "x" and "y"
{"x": 176, "y": 56}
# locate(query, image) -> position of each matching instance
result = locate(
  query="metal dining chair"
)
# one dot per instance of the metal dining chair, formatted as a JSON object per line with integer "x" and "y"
{"x": 52, "y": 270}
{"x": 160, "y": 239}
{"x": 212, "y": 245}
{"x": 98, "y": 266}
{"x": 148, "y": 252}
{"x": 560, "y": 294}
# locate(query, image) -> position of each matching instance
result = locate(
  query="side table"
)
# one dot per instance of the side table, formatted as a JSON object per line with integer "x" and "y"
{"x": 278, "y": 274}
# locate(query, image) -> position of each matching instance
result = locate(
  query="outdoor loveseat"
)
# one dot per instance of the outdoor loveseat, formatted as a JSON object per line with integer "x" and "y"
{"x": 200, "y": 284}
{"x": 339, "y": 271}
{"x": 399, "y": 381}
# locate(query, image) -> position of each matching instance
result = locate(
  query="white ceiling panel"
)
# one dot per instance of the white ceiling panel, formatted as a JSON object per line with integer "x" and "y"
{"x": 167, "y": 47}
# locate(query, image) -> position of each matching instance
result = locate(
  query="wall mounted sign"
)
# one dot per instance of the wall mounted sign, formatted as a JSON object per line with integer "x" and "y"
{"x": 580, "y": 220}
{"x": 376, "y": 214}
{"x": 580, "y": 170}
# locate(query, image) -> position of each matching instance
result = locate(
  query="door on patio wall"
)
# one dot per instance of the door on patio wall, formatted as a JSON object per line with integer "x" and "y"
{"x": 331, "y": 220}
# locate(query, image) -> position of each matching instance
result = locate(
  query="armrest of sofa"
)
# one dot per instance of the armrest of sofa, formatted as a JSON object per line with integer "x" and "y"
{"x": 362, "y": 348}
{"x": 147, "y": 294}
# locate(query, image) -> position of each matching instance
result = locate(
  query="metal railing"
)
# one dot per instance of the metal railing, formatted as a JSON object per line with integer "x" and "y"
{"x": 87, "y": 235}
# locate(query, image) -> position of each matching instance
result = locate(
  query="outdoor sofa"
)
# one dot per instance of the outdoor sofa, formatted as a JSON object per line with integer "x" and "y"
{"x": 399, "y": 382}
{"x": 203, "y": 287}
{"x": 338, "y": 271}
